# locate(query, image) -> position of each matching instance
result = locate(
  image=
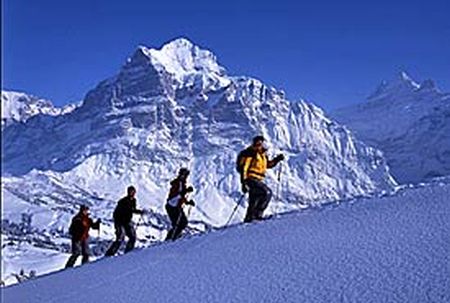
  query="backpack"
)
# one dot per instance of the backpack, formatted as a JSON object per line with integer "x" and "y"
{"x": 242, "y": 156}
{"x": 75, "y": 228}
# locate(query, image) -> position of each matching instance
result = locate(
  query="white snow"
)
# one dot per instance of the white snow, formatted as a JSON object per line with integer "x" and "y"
{"x": 391, "y": 249}
{"x": 18, "y": 256}
{"x": 181, "y": 57}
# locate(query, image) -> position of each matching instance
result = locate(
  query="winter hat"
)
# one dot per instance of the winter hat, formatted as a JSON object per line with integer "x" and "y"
{"x": 257, "y": 139}
{"x": 131, "y": 189}
{"x": 183, "y": 171}
{"x": 84, "y": 207}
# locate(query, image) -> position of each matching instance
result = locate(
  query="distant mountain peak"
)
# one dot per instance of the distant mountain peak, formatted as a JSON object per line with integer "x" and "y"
{"x": 399, "y": 84}
{"x": 19, "y": 107}
{"x": 403, "y": 119}
{"x": 404, "y": 77}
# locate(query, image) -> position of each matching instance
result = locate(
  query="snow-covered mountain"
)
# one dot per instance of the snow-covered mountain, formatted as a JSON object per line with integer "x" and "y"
{"x": 19, "y": 107}
{"x": 167, "y": 108}
{"x": 410, "y": 123}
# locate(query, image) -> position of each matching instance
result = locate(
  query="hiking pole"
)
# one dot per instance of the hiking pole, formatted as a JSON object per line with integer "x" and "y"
{"x": 279, "y": 182}
{"x": 279, "y": 188}
{"x": 235, "y": 209}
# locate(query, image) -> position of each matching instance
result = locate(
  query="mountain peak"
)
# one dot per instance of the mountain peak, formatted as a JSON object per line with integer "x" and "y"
{"x": 401, "y": 83}
{"x": 403, "y": 80}
{"x": 179, "y": 43}
{"x": 404, "y": 77}
{"x": 181, "y": 57}
{"x": 19, "y": 107}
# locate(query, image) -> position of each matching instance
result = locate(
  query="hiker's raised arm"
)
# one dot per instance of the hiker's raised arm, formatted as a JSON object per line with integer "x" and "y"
{"x": 272, "y": 163}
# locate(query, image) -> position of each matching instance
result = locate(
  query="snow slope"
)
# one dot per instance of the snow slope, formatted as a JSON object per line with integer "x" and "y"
{"x": 391, "y": 249}
{"x": 410, "y": 123}
{"x": 26, "y": 255}
{"x": 166, "y": 108}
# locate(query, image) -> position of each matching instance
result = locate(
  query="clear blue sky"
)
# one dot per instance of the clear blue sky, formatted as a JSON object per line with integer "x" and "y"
{"x": 330, "y": 52}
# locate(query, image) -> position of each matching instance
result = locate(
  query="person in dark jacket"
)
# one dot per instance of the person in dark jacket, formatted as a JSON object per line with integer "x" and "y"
{"x": 79, "y": 230}
{"x": 123, "y": 224}
{"x": 175, "y": 201}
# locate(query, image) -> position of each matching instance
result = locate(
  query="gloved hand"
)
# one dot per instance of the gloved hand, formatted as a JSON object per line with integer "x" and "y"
{"x": 96, "y": 224}
{"x": 279, "y": 158}
{"x": 190, "y": 202}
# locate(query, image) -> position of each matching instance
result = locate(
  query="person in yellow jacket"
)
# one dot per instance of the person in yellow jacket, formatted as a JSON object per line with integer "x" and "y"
{"x": 254, "y": 166}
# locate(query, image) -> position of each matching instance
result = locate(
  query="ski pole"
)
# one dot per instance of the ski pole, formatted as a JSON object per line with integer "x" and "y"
{"x": 279, "y": 183}
{"x": 276, "y": 209}
{"x": 235, "y": 209}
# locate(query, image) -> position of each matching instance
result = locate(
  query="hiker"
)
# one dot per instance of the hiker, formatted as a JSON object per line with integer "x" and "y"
{"x": 123, "y": 224}
{"x": 253, "y": 164}
{"x": 175, "y": 201}
{"x": 79, "y": 231}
